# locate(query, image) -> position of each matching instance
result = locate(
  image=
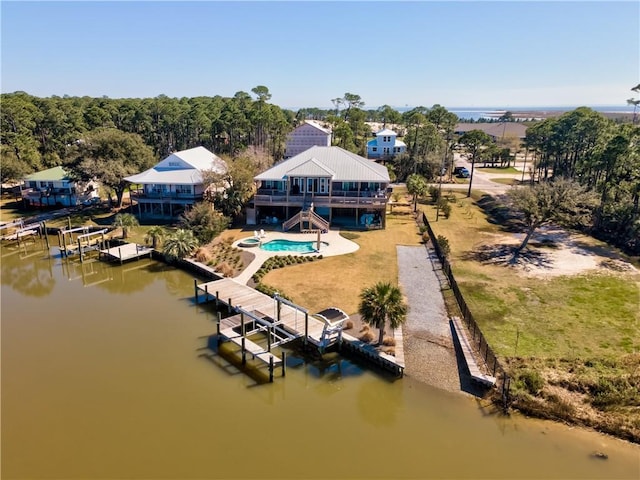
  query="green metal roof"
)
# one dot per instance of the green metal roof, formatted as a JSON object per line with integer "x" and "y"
{"x": 55, "y": 174}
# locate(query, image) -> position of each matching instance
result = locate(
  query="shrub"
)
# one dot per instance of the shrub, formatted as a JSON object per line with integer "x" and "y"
{"x": 444, "y": 206}
{"x": 389, "y": 341}
{"x": 348, "y": 325}
{"x": 203, "y": 255}
{"x": 443, "y": 243}
{"x": 389, "y": 350}
{"x": 225, "y": 269}
{"x": 531, "y": 381}
{"x": 204, "y": 222}
{"x": 425, "y": 237}
{"x": 367, "y": 337}
{"x": 365, "y": 328}
{"x": 434, "y": 193}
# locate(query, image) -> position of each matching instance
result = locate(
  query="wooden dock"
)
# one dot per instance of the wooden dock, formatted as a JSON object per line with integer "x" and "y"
{"x": 128, "y": 251}
{"x": 294, "y": 319}
{"x": 262, "y": 323}
{"x": 467, "y": 351}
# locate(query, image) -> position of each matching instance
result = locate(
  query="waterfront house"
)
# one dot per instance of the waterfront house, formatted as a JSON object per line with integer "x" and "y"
{"x": 305, "y": 136}
{"x": 55, "y": 187}
{"x": 339, "y": 186}
{"x": 174, "y": 184}
{"x": 385, "y": 145}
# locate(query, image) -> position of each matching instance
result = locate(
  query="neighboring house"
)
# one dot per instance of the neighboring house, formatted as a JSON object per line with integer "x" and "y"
{"x": 496, "y": 130}
{"x": 385, "y": 145}
{"x": 305, "y": 136}
{"x": 54, "y": 187}
{"x": 341, "y": 187}
{"x": 175, "y": 183}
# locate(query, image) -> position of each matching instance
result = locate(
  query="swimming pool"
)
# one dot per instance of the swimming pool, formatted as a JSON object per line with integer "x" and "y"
{"x": 280, "y": 245}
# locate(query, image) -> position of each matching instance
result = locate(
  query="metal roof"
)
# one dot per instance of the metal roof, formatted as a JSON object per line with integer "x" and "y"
{"x": 55, "y": 174}
{"x": 181, "y": 168}
{"x": 386, "y": 131}
{"x": 334, "y": 162}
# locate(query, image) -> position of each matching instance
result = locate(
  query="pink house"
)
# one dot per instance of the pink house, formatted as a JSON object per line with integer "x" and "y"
{"x": 307, "y": 135}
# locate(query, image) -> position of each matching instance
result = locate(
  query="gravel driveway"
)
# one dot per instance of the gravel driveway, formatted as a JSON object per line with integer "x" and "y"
{"x": 428, "y": 344}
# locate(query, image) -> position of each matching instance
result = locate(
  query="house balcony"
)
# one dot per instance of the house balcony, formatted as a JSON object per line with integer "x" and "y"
{"x": 344, "y": 199}
{"x": 165, "y": 197}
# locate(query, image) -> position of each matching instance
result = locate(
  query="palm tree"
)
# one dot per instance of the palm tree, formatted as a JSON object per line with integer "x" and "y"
{"x": 155, "y": 235}
{"x": 380, "y": 304}
{"x": 179, "y": 244}
{"x": 417, "y": 186}
{"x": 125, "y": 221}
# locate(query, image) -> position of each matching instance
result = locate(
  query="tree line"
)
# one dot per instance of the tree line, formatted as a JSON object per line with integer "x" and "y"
{"x": 604, "y": 158}
{"x": 40, "y": 133}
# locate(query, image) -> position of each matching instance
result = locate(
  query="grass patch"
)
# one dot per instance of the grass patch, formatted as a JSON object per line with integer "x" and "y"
{"x": 338, "y": 281}
{"x": 569, "y": 343}
{"x": 506, "y": 181}
{"x": 499, "y": 170}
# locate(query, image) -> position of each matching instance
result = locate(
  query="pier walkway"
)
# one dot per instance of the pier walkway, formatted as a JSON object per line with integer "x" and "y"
{"x": 281, "y": 321}
{"x": 128, "y": 251}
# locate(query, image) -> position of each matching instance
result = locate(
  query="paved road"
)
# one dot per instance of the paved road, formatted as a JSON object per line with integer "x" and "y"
{"x": 482, "y": 180}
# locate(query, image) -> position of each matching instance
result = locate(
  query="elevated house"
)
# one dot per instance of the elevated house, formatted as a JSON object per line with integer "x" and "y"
{"x": 174, "y": 184}
{"x": 55, "y": 187}
{"x": 305, "y": 136}
{"x": 385, "y": 145}
{"x": 319, "y": 187}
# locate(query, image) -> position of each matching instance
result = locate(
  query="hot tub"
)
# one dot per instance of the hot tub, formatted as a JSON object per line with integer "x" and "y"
{"x": 249, "y": 242}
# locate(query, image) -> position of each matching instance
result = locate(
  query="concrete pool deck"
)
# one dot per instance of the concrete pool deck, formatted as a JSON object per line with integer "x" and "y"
{"x": 337, "y": 245}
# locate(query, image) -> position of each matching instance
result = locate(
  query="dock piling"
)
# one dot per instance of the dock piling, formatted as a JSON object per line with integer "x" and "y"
{"x": 284, "y": 363}
{"x": 195, "y": 287}
{"x": 244, "y": 355}
{"x": 271, "y": 368}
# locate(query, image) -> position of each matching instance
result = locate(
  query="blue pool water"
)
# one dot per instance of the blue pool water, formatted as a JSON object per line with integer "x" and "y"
{"x": 291, "y": 246}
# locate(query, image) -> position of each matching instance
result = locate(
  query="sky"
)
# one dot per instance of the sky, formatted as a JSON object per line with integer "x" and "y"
{"x": 453, "y": 53}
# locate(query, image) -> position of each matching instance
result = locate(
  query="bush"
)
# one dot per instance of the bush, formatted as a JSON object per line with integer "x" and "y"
{"x": 225, "y": 269}
{"x": 425, "y": 237}
{"x": 205, "y": 222}
{"x": 443, "y": 205}
{"x": 367, "y": 337}
{"x": 203, "y": 255}
{"x": 531, "y": 381}
{"x": 389, "y": 341}
{"x": 434, "y": 193}
{"x": 443, "y": 243}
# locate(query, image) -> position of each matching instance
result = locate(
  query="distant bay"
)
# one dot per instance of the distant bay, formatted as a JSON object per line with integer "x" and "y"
{"x": 477, "y": 113}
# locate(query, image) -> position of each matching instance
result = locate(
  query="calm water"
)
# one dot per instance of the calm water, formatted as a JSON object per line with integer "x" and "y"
{"x": 106, "y": 374}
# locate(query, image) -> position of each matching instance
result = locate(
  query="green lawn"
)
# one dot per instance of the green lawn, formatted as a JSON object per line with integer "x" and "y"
{"x": 498, "y": 170}
{"x": 584, "y": 316}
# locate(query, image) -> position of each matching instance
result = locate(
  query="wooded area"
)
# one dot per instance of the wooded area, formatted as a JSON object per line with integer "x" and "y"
{"x": 582, "y": 145}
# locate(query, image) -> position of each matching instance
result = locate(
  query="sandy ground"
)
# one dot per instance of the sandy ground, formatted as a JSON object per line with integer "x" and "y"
{"x": 554, "y": 252}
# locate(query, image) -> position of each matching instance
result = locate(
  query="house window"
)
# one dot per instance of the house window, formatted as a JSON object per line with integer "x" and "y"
{"x": 374, "y": 149}
{"x": 323, "y": 185}
{"x": 174, "y": 164}
{"x": 297, "y": 185}
{"x": 183, "y": 189}
{"x": 33, "y": 184}
{"x": 385, "y": 150}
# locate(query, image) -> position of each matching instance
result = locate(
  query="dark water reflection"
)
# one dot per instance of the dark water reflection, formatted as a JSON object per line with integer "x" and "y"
{"x": 111, "y": 372}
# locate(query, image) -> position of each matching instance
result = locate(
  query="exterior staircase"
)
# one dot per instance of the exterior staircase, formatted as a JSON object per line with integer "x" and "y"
{"x": 310, "y": 217}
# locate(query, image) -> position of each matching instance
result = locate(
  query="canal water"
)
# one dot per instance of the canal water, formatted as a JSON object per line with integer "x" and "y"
{"x": 106, "y": 373}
